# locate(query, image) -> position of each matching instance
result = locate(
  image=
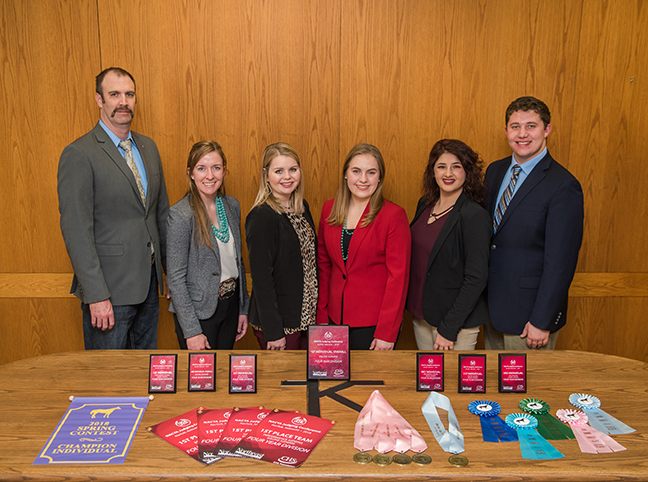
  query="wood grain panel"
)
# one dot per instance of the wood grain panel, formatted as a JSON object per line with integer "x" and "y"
{"x": 249, "y": 73}
{"x": 32, "y": 327}
{"x": 608, "y": 148}
{"x": 414, "y": 72}
{"x": 614, "y": 326}
{"x": 48, "y": 57}
{"x": 585, "y": 285}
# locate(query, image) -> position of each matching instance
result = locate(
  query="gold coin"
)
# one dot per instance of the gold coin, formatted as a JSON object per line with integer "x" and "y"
{"x": 382, "y": 459}
{"x": 458, "y": 460}
{"x": 402, "y": 459}
{"x": 362, "y": 458}
{"x": 422, "y": 459}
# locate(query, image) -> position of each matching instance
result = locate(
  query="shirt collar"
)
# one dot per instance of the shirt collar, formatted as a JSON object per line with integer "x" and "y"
{"x": 116, "y": 140}
{"x": 528, "y": 166}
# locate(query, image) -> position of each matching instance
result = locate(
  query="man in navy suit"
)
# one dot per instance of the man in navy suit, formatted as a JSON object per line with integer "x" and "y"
{"x": 537, "y": 210}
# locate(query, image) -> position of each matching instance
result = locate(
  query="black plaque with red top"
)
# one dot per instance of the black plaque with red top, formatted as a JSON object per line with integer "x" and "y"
{"x": 472, "y": 373}
{"x": 242, "y": 374}
{"x": 429, "y": 372}
{"x": 512, "y": 373}
{"x": 163, "y": 370}
{"x": 202, "y": 372}
{"x": 328, "y": 352}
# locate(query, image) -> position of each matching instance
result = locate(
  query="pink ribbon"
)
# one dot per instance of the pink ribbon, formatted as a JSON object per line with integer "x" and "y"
{"x": 382, "y": 428}
{"x": 590, "y": 440}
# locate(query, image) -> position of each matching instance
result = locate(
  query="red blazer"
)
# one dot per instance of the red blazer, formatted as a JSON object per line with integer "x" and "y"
{"x": 374, "y": 280}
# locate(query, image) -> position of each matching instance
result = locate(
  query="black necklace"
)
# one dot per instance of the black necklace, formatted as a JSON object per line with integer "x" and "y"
{"x": 437, "y": 216}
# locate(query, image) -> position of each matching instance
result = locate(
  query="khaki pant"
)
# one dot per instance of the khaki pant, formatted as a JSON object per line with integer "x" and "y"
{"x": 425, "y": 335}
{"x": 496, "y": 340}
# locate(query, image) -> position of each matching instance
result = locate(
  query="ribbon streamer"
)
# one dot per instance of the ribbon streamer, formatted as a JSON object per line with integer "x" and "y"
{"x": 548, "y": 426}
{"x": 381, "y": 427}
{"x": 598, "y": 419}
{"x": 493, "y": 427}
{"x": 532, "y": 445}
{"x": 451, "y": 440}
{"x": 590, "y": 440}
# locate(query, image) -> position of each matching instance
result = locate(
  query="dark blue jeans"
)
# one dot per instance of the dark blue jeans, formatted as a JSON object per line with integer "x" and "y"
{"x": 136, "y": 326}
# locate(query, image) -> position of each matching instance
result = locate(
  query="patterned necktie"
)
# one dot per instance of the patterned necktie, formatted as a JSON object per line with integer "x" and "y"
{"x": 506, "y": 198}
{"x": 126, "y": 145}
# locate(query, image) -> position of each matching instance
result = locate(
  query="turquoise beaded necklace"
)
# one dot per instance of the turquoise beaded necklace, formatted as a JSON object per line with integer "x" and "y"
{"x": 348, "y": 232}
{"x": 222, "y": 232}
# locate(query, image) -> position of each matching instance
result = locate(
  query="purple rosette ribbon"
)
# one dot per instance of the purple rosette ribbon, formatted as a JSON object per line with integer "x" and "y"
{"x": 494, "y": 429}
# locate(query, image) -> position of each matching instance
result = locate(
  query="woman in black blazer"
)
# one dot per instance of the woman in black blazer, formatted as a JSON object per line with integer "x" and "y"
{"x": 450, "y": 247}
{"x": 280, "y": 236}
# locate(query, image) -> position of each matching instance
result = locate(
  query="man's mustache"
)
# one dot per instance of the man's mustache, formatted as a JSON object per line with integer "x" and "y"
{"x": 122, "y": 109}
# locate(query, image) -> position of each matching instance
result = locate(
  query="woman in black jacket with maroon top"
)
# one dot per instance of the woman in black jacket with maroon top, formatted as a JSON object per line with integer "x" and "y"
{"x": 450, "y": 247}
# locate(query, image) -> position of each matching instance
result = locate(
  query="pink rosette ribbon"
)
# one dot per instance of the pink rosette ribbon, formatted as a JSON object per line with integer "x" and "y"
{"x": 590, "y": 440}
{"x": 382, "y": 428}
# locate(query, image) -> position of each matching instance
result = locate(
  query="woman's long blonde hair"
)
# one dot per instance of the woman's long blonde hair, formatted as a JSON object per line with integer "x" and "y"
{"x": 340, "y": 207}
{"x": 264, "y": 196}
{"x": 198, "y": 151}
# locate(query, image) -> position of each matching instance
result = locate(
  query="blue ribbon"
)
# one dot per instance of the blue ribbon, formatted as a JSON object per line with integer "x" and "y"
{"x": 532, "y": 445}
{"x": 493, "y": 427}
{"x": 598, "y": 419}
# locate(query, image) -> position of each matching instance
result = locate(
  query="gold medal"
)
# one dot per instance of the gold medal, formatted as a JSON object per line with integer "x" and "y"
{"x": 422, "y": 459}
{"x": 458, "y": 460}
{"x": 382, "y": 459}
{"x": 362, "y": 458}
{"x": 402, "y": 459}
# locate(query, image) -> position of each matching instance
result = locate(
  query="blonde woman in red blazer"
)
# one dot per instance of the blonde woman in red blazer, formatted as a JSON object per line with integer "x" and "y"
{"x": 364, "y": 247}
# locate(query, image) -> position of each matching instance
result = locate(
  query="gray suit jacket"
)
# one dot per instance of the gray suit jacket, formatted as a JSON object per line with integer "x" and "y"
{"x": 194, "y": 272}
{"x": 107, "y": 230}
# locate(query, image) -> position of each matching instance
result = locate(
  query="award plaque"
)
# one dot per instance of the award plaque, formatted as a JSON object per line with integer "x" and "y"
{"x": 429, "y": 372}
{"x": 512, "y": 373}
{"x": 328, "y": 352}
{"x": 472, "y": 373}
{"x": 162, "y": 373}
{"x": 202, "y": 372}
{"x": 242, "y": 374}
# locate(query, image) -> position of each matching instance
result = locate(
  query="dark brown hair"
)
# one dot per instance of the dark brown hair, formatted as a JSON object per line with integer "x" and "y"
{"x": 527, "y": 104}
{"x": 471, "y": 162}
{"x": 100, "y": 77}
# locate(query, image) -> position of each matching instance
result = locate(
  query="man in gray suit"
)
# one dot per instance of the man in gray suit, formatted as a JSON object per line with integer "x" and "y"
{"x": 113, "y": 204}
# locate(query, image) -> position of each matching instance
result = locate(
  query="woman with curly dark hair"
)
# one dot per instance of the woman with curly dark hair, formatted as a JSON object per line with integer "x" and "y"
{"x": 450, "y": 247}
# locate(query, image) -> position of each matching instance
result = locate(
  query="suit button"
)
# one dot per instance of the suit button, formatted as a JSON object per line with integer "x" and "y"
{"x": 343, "y": 276}
{"x": 493, "y": 247}
{"x": 216, "y": 274}
{"x": 148, "y": 245}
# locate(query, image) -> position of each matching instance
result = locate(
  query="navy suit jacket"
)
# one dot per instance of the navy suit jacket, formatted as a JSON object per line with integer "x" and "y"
{"x": 535, "y": 250}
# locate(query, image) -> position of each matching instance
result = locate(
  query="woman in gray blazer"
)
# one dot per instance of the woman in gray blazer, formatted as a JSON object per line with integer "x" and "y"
{"x": 205, "y": 271}
{"x": 450, "y": 248}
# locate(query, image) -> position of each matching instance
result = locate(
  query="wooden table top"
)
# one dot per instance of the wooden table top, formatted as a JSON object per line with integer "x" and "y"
{"x": 34, "y": 394}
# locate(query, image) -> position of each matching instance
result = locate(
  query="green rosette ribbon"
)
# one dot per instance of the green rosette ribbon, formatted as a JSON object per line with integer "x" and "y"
{"x": 548, "y": 426}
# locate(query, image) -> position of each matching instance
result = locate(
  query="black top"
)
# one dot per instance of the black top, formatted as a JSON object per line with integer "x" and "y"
{"x": 277, "y": 271}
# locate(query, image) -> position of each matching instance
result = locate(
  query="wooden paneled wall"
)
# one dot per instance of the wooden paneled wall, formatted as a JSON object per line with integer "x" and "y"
{"x": 324, "y": 75}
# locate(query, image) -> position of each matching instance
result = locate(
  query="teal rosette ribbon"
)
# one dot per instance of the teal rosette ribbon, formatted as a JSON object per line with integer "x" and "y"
{"x": 548, "y": 426}
{"x": 598, "y": 419}
{"x": 494, "y": 429}
{"x": 532, "y": 445}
